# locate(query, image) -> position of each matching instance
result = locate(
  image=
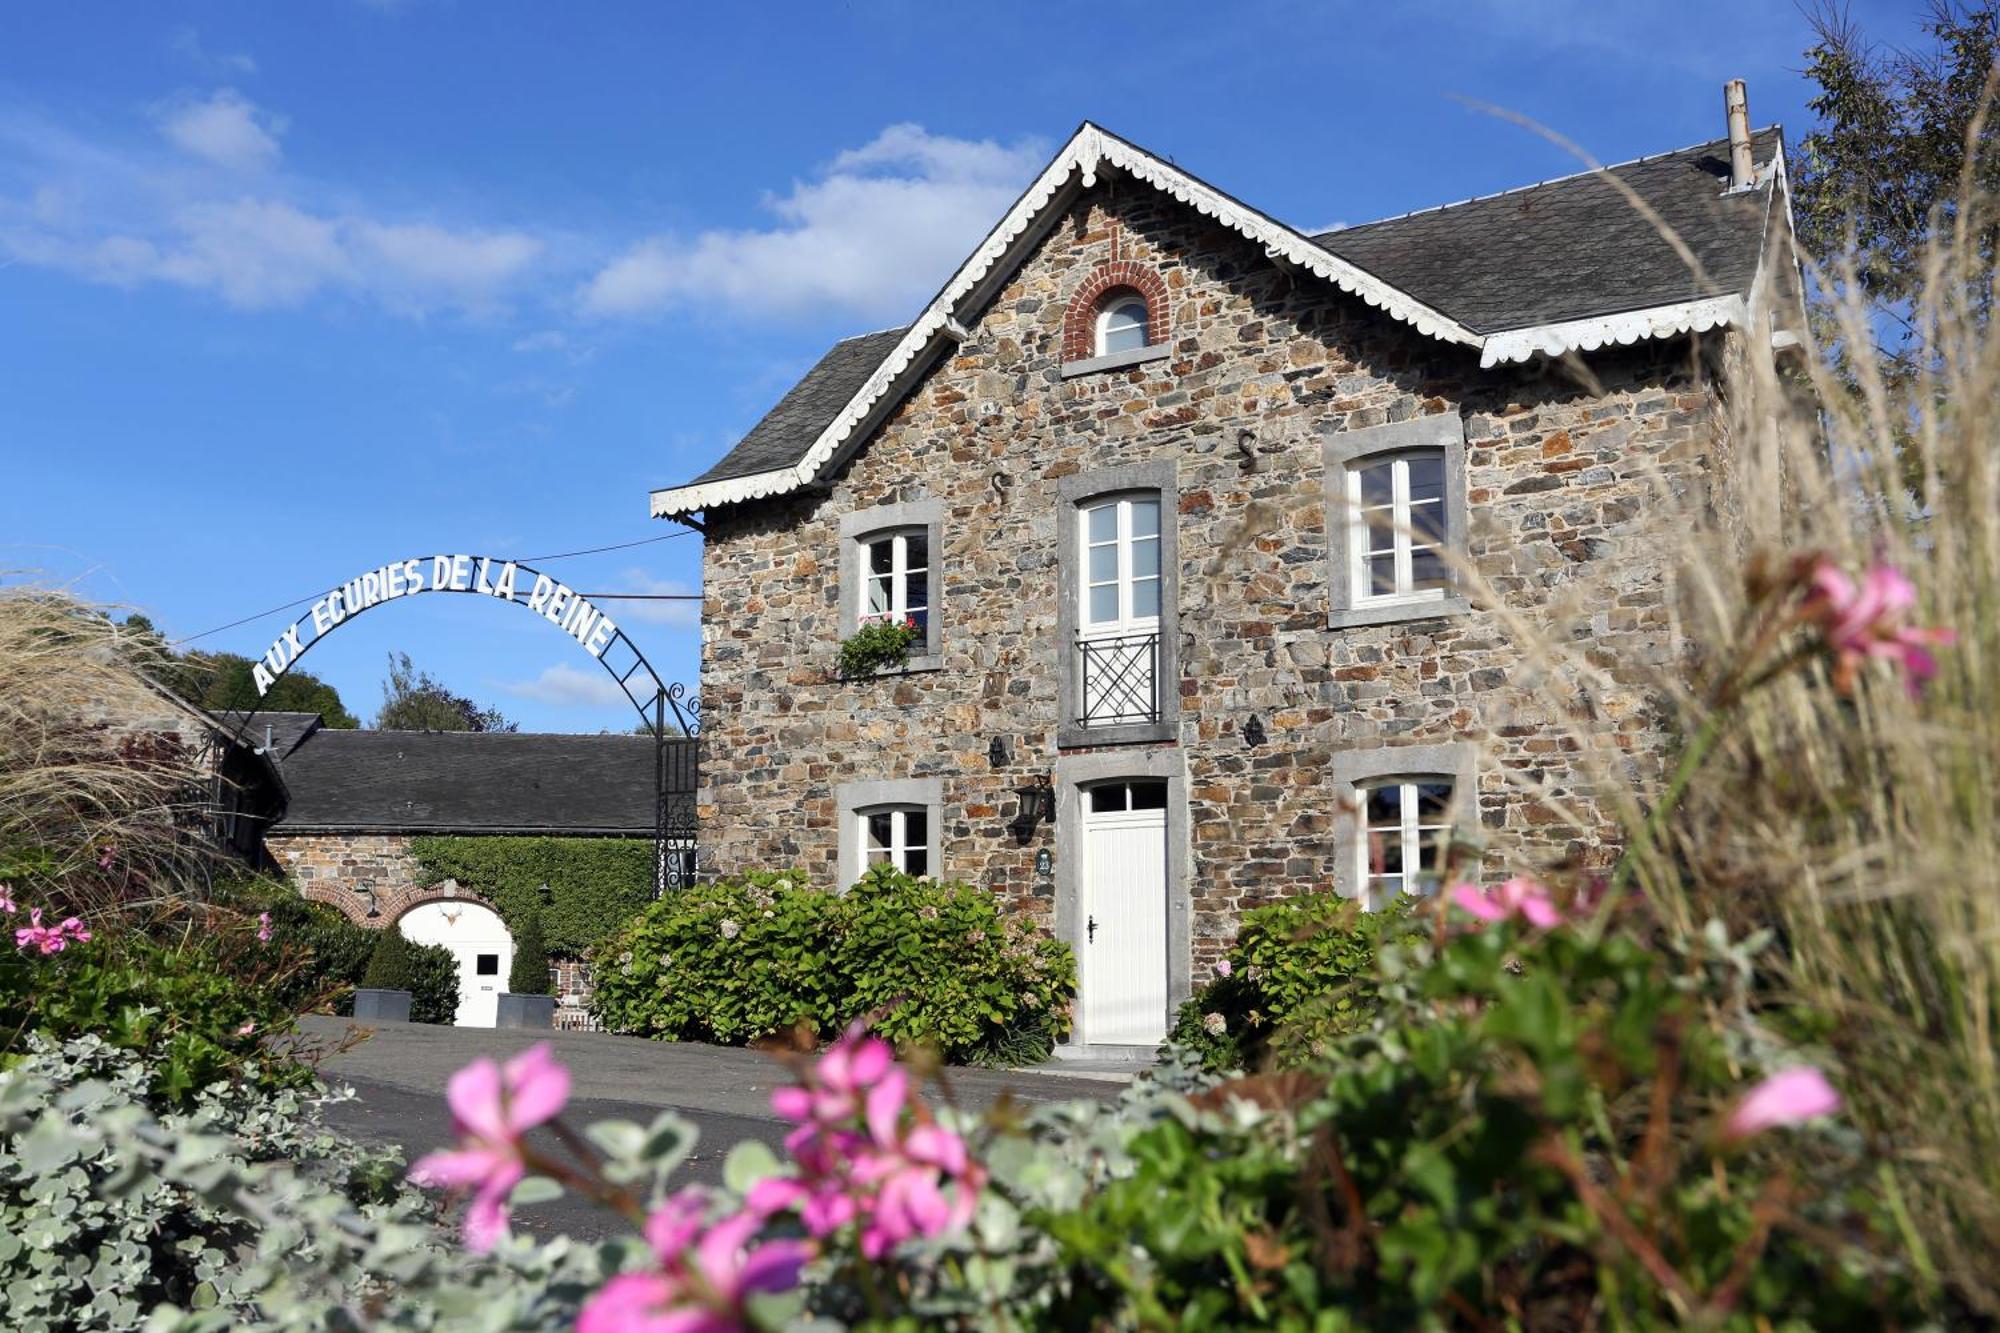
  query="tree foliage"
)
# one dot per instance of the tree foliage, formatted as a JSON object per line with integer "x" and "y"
{"x": 1887, "y": 165}
{"x": 221, "y": 682}
{"x": 415, "y": 700}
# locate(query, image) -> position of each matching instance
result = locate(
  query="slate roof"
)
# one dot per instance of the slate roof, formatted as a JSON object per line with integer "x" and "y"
{"x": 1573, "y": 248}
{"x": 475, "y": 782}
{"x": 286, "y": 730}
{"x": 787, "y": 429}
{"x": 1547, "y": 253}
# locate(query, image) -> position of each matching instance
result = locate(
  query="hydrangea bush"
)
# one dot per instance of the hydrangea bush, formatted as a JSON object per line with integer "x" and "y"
{"x": 760, "y": 954}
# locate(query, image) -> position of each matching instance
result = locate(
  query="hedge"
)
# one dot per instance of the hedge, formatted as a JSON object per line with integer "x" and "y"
{"x": 595, "y": 884}
{"x": 938, "y": 964}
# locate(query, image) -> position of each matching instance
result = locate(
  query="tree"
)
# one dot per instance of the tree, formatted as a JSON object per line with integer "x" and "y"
{"x": 415, "y": 700}
{"x": 530, "y": 973}
{"x": 222, "y": 683}
{"x": 1901, "y": 150}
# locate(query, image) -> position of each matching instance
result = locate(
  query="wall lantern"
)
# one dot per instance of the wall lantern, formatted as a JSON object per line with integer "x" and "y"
{"x": 1037, "y": 804}
{"x": 374, "y": 908}
{"x": 996, "y": 752}
{"x": 1253, "y": 731}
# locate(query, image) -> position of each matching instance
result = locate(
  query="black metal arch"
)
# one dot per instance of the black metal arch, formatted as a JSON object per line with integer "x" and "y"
{"x": 675, "y": 767}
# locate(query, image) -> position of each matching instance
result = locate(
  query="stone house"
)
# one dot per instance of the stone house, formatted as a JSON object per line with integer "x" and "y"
{"x": 1179, "y": 500}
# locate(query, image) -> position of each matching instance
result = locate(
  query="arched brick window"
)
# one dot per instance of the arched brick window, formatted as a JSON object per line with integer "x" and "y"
{"x": 1105, "y": 298}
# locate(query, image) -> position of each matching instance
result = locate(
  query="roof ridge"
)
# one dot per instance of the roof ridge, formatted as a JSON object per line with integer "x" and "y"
{"x": 517, "y": 735}
{"x": 1536, "y": 185}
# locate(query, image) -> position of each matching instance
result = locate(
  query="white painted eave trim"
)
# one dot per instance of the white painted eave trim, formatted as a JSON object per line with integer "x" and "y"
{"x": 1624, "y": 328}
{"x": 1080, "y": 160}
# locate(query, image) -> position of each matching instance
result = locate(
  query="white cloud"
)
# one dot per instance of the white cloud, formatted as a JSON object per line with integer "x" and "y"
{"x": 127, "y": 217}
{"x": 874, "y": 235}
{"x": 565, "y": 686}
{"x": 224, "y": 128}
{"x": 186, "y": 43}
{"x": 654, "y": 613}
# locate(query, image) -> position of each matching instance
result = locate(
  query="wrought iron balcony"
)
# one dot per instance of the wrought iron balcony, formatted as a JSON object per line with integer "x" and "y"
{"x": 1121, "y": 679}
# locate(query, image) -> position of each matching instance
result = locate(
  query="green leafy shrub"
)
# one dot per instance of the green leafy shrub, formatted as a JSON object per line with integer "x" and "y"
{"x": 728, "y": 961}
{"x": 327, "y": 955}
{"x": 240, "y": 1210}
{"x": 744, "y": 958}
{"x": 1527, "y": 1135}
{"x": 877, "y": 645}
{"x": 389, "y": 964}
{"x": 529, "y": 974}
{"x": 196, "y": 1024}
{"x": 593, "y": 883}
{"x": 1301, "y": 975}
{"x": 433, "y": 983}
{"x": 947, "y": 967}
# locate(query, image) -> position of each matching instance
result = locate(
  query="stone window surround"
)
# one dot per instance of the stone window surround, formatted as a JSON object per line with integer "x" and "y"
{"x": 1344, "y": 448}
{"x": 851, "y": 798}
{"x": 1071, "y": 492}
{"x": 1074, "y": 772}
{"x": 865, "y": 523}
{"x": 1452, "y": 761}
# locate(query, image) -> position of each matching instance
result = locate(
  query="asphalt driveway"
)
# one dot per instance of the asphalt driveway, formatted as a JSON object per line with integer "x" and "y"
{"x": 399, "y": 1072}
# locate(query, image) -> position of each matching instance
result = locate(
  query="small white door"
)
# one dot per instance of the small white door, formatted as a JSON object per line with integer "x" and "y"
{"x": 1122, "y": 965}
{"x": 480, "y": 942}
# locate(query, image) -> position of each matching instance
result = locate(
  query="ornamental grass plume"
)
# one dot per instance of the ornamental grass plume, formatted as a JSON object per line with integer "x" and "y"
{"x": 1846, "y": 789}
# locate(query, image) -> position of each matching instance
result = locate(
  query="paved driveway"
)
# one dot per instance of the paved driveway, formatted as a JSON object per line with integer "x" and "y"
{"x": 400, "y": 1071}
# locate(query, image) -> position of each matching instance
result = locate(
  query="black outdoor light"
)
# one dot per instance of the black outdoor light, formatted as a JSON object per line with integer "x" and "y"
{"x": 996, "y": 752}
{"x": 1253, "y": 731}
{"x": 1038, "y": 803}
{"x": 374, "y": 908}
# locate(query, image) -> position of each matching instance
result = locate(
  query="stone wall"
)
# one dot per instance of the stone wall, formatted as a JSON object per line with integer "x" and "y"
{"x": 1263, "y": 365}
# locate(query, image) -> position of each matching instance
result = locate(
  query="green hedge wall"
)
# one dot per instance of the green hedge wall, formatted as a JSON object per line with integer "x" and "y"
{"x": 595, "y": 884}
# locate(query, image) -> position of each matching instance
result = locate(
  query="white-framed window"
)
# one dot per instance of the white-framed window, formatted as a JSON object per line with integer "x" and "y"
{"x": 1121, "y": 565}
{"x": 896, "y": 578}
{"x": 1406, "y": 823}
{"x": 897, "y": 835}
{"x": 1122, "y": 324}
{"x": 1397, "y": 516}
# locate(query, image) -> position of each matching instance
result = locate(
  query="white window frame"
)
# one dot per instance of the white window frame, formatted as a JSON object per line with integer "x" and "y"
{"x": 1124, "y": 579}
{"x": 1368, "y": 526}
{"x": 900, "y": 846}
{"x": 898, "y": 576}
{"x": 1410, "y": 833}
{"x": 1113, "y": 307}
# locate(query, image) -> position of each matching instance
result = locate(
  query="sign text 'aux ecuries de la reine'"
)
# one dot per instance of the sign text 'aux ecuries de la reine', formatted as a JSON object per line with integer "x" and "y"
{"x": 553, "y": 600}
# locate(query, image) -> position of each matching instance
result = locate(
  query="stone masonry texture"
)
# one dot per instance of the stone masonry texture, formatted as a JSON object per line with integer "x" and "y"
{"x": 1561, "y": 469}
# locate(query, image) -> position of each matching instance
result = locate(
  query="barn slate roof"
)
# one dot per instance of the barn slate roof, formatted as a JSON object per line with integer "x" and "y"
{"x": 1559, "y": 250}
{"x": 286, "y": 730}
{"x": 476, "y": 782}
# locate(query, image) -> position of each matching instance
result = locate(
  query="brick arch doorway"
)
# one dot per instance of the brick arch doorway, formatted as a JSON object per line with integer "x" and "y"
{"x": 478, "y": 941}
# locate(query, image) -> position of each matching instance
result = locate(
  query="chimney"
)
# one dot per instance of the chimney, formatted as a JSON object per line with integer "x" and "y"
{"x": 1736, "y": 103}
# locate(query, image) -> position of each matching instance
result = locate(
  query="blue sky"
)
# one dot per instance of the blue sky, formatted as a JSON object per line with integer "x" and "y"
{"x": 287, "y": 292}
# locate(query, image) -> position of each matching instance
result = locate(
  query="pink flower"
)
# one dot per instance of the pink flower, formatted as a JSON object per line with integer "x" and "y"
{"x": 1861, "y": 622}
{"x": 1790, "y": 1097}
{"x": 264, "y": 927}
{"x": 46, "y": 940}
{"x": 706, "y": 1274}
{"x": 1519, "y": 896}
{"x": 868, "y": 1154}
{"x": 247, "y": 1028}
{"x": 104, "y": 855}
{"x": 1222, "y": 969}
{"x": 7, "y": 903}
{"x": 491, "y": 1109}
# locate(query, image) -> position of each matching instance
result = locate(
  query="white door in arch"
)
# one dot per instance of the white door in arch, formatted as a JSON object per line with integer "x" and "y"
{"x": 1122, "y": 970}
{"x": 479, "y": 940}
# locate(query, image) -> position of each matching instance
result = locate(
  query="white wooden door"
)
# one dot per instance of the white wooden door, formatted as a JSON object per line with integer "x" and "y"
{"x": 1122, "y": 968}
{"x": 480, "y": 942}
